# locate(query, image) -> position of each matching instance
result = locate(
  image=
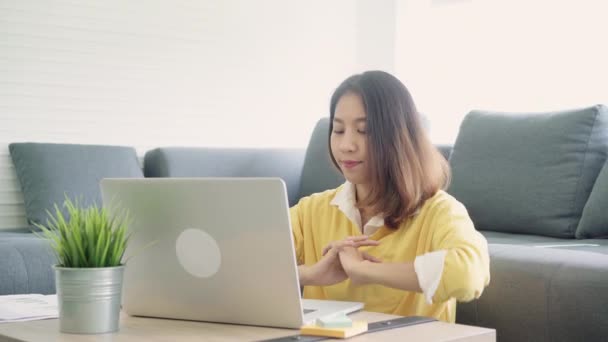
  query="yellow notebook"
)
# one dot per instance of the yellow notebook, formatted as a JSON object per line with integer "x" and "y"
{"x": 313, "y": 330}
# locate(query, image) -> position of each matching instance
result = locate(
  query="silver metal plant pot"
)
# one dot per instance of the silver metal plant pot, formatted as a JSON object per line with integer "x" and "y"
{"x": 89, "y": 299}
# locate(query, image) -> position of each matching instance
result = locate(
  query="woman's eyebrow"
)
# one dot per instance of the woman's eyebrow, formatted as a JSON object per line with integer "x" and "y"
{"x": 357, "y": 120}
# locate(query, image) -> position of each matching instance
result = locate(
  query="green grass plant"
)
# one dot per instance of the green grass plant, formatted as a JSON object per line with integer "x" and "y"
{"x": 89, "y": 237}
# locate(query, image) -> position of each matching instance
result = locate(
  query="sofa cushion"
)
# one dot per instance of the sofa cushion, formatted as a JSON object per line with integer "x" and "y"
{"x": 49, "y": 172}
{"x": 588, "y": 245}
{"x": 542, "y": 294}
{"x": 319, "y": 173}
{"x": 594, "y": 221}
{"x": 529, "y": 173}
{"x": 523, "y": 239}
{"x": 226, "y": 162}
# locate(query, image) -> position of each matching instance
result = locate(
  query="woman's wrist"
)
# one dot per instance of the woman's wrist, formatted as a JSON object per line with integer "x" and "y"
{"x": 359, "y": 272}
{"x": 304, "y": 275}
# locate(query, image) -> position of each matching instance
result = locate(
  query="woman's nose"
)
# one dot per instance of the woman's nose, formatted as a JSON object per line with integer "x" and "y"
{"x": 348, "y": 144}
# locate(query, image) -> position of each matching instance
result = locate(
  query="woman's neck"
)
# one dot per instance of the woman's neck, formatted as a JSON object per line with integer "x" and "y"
{"x": 361, "y": 192}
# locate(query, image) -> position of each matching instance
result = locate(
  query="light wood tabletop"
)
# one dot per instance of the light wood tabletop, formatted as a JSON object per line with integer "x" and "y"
{"x": 154, "y": 329}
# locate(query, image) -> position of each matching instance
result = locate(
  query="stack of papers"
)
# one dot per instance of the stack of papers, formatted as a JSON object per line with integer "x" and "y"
{"x": 27, "y": 307}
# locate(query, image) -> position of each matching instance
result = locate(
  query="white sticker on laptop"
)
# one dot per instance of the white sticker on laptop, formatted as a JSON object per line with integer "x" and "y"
{"x": 198, "y": 253}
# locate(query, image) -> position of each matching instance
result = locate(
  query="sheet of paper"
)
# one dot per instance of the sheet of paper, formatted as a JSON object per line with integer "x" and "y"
{"x": 27, "y": 307}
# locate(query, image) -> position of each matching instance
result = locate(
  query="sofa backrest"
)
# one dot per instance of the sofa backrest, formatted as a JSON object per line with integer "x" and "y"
{"x": 594, "y": 219}
{"x": 522, "y": 173}
{"x": 446, "y": 150}
{"x": 529, "y": 173}
{"x": 304, "y": 171}
{"x": 50, "y": 172}
{"x": 226, "y": 162}
{"x": 319, "y": 173}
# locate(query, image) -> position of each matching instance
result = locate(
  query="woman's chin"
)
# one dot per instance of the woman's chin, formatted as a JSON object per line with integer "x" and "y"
{"x": 354, "y": 179}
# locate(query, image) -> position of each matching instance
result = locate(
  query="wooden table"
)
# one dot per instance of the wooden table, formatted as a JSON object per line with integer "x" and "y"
{"x": 151, "y": 329}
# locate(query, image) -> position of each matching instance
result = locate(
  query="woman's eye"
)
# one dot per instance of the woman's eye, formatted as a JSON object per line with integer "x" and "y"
{"x": 338, "y": 132}
{"x": 362, "y": 131}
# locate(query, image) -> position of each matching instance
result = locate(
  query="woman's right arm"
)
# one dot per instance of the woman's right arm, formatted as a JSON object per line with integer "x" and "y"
{"x": 304, "y": 275}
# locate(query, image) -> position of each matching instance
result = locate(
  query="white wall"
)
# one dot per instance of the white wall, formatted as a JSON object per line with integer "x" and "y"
{"x": 157, "y": 73}
{"x": 517, "y": 55}
{"x": 376, "y": 31}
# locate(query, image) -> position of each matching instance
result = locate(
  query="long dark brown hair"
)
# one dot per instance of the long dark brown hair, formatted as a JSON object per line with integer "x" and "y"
{"x": 406, "y": 169}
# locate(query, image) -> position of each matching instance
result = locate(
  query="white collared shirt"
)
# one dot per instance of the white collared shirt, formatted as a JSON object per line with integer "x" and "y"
{"x": 428, "y": 267}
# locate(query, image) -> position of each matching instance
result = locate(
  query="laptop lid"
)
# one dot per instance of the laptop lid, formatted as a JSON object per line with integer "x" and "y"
{"x": 222, "y": 252}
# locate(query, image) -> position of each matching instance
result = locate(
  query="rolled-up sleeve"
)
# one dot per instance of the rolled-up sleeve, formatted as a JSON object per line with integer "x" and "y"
{"x": 429, "y": 269}
{"x": 466, "y": 269}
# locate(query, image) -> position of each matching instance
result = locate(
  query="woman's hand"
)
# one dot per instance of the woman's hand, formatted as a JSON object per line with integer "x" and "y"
{"x": 353, "y": 262}
{"x": 329, "y": 270}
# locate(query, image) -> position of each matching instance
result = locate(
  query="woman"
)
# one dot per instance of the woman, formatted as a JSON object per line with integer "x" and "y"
{"x": 389, "y": 236}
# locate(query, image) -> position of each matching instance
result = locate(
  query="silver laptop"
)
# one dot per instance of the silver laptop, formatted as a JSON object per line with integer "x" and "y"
{"x": 222, "y": 251}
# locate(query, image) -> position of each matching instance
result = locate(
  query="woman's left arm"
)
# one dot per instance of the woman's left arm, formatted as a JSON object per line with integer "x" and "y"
{"x": 466, "y": 266}
{"x": 458, "y": 266}
{"x": 396, "y": 275}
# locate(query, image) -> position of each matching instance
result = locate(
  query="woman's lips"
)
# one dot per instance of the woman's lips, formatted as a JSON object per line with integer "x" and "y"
{"x": 349, "y": 164}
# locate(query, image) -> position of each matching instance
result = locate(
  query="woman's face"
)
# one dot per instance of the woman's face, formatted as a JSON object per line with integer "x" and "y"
{"x": 348, "y": 138}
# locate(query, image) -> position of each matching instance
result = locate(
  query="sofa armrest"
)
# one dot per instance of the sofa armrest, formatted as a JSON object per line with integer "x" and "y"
{"x": 26, "y": 265}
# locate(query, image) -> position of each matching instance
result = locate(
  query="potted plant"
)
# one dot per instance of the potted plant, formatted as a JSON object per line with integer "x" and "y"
{"x": 90, "y": 245}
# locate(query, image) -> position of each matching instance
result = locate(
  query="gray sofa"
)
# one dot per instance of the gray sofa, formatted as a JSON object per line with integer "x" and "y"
{"x": 535, "y": 185}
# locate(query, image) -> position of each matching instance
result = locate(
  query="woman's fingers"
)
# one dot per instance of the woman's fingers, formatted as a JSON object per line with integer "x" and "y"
{"x": 351, "y": 241}
{"x": 357, "y": 238}
{"x": 370, "y": 257}
{"x": 366, "y": 243}
{"x": 361, "y": 240}
{"x": 337, "y": 245}
{"x": 334, "y": 245}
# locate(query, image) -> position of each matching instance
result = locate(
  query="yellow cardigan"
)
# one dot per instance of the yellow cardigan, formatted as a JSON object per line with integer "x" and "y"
{"x": 441, "y": 224}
